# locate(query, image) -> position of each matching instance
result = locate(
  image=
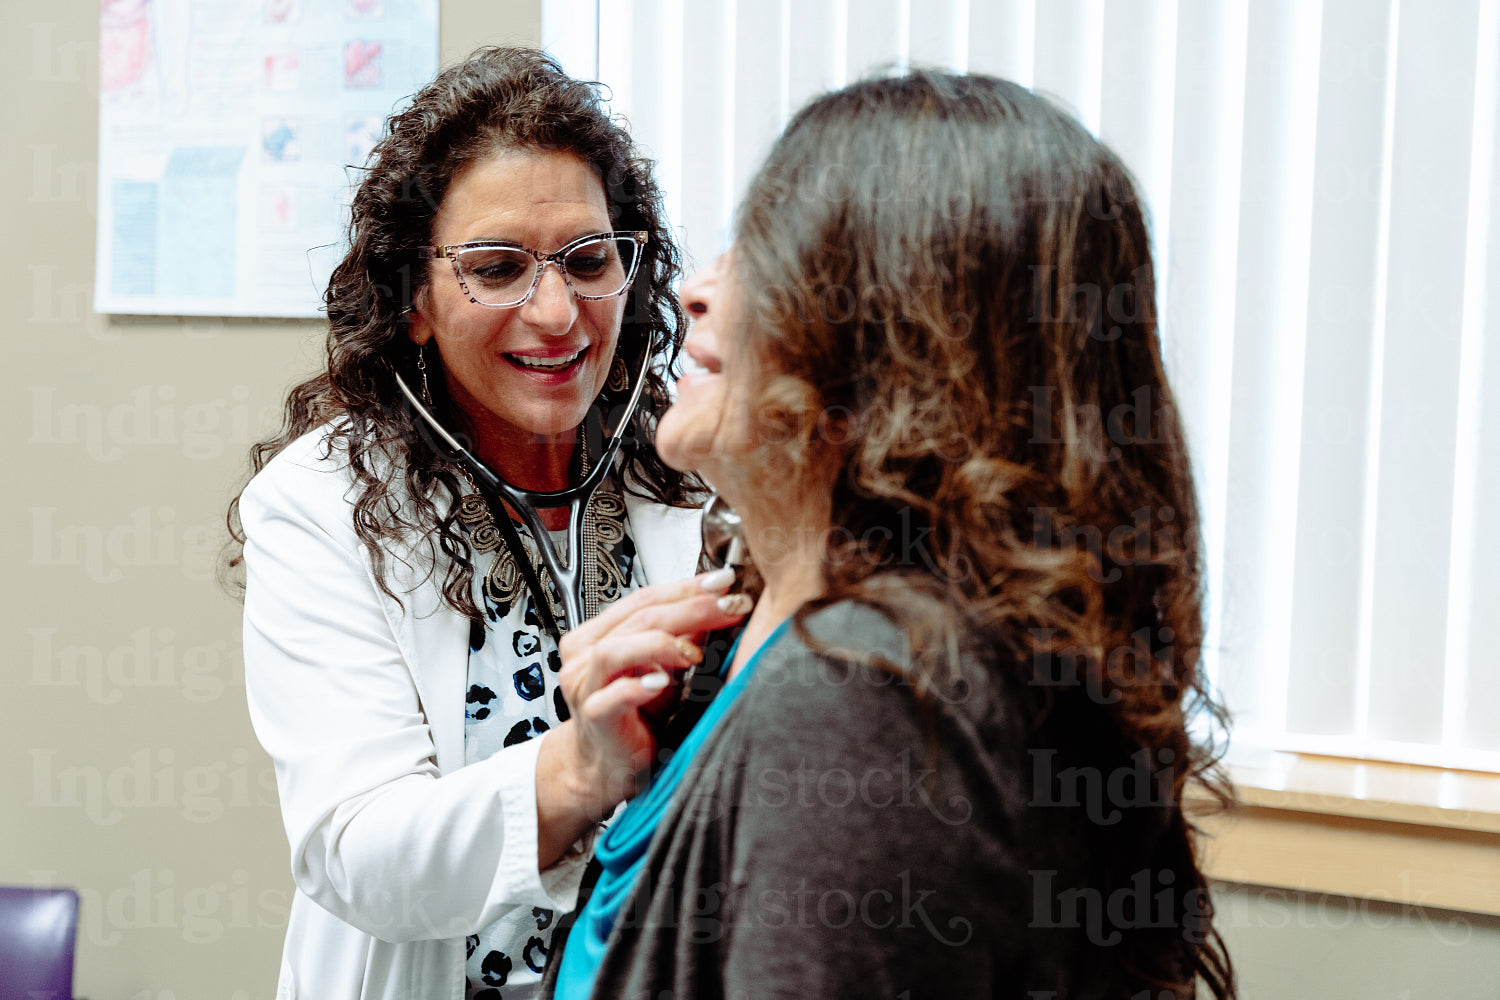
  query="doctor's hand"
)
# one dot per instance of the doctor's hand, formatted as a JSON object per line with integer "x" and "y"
{"x": 614, "y": 667}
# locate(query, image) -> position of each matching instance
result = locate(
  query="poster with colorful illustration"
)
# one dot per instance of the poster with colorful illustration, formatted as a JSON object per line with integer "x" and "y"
{"x": 230, "y": 135}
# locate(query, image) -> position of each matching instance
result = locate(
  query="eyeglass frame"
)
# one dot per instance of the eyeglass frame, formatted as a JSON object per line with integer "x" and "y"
{"x": 557, "y": 258}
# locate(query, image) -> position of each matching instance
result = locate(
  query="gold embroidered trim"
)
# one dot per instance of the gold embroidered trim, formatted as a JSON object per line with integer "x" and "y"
{"x": 603, "y": 530}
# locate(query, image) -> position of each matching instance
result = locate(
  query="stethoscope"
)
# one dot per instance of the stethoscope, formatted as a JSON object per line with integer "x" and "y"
{"x": 566, "y": 572}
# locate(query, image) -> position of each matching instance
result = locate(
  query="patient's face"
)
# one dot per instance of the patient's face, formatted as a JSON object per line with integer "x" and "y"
{"x": 708, "y": 425}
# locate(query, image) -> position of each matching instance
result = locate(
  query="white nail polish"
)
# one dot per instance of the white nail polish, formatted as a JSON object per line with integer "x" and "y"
{"x": 655, "y": 681}
{"x": 735, "y": 604}
{"x": 718, "y": 579}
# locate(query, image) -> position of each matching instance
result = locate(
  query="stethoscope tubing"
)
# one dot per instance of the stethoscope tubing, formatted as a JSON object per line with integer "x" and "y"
{"x": 567, "y": 573}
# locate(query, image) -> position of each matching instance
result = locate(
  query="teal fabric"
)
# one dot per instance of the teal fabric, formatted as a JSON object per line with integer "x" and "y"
{"x": 621, "y": 851}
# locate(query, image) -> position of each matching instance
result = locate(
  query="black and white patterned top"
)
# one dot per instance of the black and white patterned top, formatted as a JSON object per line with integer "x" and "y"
{"x": 514, "y": 696}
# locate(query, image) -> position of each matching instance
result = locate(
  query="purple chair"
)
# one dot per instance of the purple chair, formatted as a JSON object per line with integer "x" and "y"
{"x": 37, "y": 930}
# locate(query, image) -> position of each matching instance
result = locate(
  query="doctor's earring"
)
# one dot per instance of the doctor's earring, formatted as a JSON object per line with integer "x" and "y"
{"x": 422, "y": 367}
{"x": 619, "y": 376}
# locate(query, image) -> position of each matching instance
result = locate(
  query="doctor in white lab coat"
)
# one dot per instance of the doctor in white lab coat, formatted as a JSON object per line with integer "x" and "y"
{"x": 442, "y": 761}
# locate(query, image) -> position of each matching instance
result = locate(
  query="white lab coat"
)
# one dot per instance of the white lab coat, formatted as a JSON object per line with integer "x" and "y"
{"x": 398, "y": 851}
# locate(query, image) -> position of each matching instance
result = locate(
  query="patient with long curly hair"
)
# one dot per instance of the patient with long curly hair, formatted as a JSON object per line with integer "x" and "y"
{"x": 951, "y": 752}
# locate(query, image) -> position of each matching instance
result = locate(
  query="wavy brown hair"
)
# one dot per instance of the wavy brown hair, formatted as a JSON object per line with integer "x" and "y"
{"x": 952, "y": 279}
{"x": 499, "y": 99}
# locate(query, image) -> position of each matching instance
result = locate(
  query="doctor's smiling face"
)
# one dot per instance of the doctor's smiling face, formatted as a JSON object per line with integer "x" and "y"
{"x": 528, "y": 372}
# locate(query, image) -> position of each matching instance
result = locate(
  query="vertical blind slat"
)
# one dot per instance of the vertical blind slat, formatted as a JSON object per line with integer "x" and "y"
{"x": 1002, "y": 39}
{"x": 758, "y": 87}
{"x": 1429, "y": 209}
{"x": 616, "y": 59}
{"x": 1069, "y": 52}
{"x": 814, "y": 64}
{"x": 1471, "y": 377}
{"x": 874, "y": 42}
{"x": 1201, "y": 257}
{"x": 1270, "y": 319}
{"x": 1336, "y": 365}
{"x": 935, "y": 36}
{"x": 1481, "y": 699}
{"x": 570, "y": 32}
{"x": 707, "y": 116}
{"x": 1135, "y": 113}
{"x": 656, "y": 94}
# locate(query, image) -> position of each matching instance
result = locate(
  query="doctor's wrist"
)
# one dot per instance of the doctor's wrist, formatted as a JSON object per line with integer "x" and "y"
{"x": 574, "y": 792}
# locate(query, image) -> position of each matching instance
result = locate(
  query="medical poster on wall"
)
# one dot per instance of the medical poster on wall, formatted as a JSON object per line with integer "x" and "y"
{"x": 230, "y": 136}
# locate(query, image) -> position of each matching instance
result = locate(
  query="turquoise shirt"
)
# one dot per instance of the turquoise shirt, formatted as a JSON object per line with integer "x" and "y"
{"x": 622, "y": 849}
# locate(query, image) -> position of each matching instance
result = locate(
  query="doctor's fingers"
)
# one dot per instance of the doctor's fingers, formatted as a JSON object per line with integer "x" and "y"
{"x": 705, "y": 589}
{"x": 636, "y": 654}
{"x": 687, "y": 617}
{"x": 611, "y": 723}
{"x": 657, "y": 634}
{"x": 612, "y": 718}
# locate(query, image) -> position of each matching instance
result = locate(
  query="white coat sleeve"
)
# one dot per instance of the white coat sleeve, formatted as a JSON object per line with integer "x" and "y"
{"x": 378, "y": 837}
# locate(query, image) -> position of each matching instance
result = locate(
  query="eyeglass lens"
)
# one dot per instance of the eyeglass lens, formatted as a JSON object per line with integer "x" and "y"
{"x": 502, "y": 276}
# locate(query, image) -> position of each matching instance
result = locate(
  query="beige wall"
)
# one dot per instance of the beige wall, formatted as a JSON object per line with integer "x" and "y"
{"x": 1291, "y": 945}
{"x": 131, "y": 770}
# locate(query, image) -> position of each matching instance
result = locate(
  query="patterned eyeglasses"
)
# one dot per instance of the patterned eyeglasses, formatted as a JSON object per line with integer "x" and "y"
{"x": 505, "y": 275}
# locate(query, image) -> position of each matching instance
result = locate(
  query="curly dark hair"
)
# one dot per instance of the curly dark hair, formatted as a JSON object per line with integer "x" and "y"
{"x": 498, "y": 99}
{"x": 955, "y": 278}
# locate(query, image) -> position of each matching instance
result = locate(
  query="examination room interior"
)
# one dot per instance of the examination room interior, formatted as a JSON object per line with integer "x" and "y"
{"x": 1355, "y": 868}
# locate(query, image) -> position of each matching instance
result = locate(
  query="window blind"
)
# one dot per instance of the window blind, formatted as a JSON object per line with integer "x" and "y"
{"x": 1319, "y": 178}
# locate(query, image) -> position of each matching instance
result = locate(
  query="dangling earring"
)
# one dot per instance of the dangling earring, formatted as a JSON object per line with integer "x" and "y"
{"x": 422, "y": 367}
{"x": 619, "y": 378}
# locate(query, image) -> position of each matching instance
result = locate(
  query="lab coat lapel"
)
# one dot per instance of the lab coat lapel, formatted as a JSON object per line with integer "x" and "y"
{"x": 667, "y": 539}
